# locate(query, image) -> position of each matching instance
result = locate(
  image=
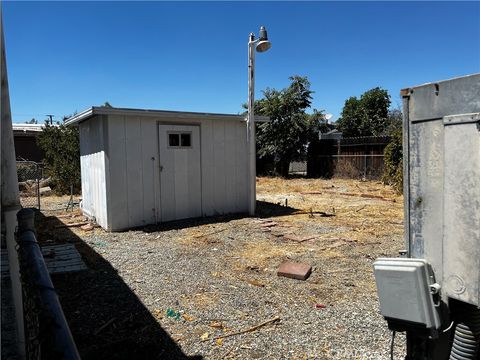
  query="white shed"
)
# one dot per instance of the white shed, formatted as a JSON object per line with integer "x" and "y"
{"x": 143, "y": 167}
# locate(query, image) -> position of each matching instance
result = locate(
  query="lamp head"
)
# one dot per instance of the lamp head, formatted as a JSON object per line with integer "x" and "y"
{"x": 263, "y": 43}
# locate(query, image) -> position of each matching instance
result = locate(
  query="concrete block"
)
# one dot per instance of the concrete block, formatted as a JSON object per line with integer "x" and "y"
{"x": 293, "y": 270}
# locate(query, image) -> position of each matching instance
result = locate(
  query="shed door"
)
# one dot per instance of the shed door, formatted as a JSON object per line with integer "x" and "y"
{"x": 180, "y": 181}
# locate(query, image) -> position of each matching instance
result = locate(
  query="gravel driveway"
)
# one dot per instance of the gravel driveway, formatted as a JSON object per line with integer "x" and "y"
{"x": 208, "y": 288}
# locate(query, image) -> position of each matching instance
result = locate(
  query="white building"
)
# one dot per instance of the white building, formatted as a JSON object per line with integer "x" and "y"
{"x": 143, "y": 167}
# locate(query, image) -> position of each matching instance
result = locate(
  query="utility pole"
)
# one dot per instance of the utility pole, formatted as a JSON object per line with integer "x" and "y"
{"x": 50, "y": 118}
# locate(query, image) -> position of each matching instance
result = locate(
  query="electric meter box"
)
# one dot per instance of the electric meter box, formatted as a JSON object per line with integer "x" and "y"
{"x": 441, "y": 151}
{"x": 404, "y": 289}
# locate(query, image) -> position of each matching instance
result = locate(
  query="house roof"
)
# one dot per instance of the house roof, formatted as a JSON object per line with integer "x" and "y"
{"x": 333, "y": 134}
{"x": 103, "y": 110}
{"x": 28, "y": 127}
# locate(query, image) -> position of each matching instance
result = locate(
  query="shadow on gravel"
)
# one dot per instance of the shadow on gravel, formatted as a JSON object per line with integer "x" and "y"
{"x": 107, "y": 319}
{"x": 264, "y": 210}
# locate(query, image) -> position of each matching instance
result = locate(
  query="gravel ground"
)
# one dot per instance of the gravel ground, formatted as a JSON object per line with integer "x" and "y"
{"x": 171, "y": 291}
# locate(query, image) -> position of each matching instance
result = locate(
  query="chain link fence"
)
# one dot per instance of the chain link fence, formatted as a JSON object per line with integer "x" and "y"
{"x": 29, "y": 175}
{"x": 47, "y": 335}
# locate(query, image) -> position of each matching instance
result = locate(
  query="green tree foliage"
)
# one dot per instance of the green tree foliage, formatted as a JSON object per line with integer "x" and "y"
{"x": 393, "y": 157}
{"x": 395, "y": 120}
{"x": 61, "y": 146}
{"x": 367, "y": 116}
{"x": 286, "y": 135}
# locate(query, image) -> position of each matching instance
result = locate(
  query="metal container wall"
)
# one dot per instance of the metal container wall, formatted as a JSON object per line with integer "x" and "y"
{"x": 442, "y": 182}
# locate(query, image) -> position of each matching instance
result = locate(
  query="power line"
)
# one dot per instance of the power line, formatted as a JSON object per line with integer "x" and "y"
{"x": 51, "y": 118}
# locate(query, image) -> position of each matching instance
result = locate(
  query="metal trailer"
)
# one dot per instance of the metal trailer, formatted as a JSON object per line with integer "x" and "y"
{"x": 433, "y": 291}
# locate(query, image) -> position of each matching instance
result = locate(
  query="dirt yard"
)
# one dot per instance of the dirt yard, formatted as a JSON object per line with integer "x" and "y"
{"x": 209, "y": 288}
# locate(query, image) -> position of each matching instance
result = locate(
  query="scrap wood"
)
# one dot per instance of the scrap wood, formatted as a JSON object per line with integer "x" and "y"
{"x": 370, "y": 196}
{"x": 104, "y": 326}
{"x": 253, "y": 328}
{"x": 255, "y": 283}
{"x": 300, "y": 239}
{"x": 310, "y": 212}
{"x": 71, "y": 225}
{"x": 61, "y": 216}
{"x": 208, "y": 234}
{"x": 268, "y": 224}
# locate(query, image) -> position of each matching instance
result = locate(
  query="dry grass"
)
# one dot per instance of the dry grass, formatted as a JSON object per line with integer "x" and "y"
{"x": 365, "y": 218}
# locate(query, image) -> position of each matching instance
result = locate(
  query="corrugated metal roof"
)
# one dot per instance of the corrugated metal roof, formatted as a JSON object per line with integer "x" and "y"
{"x": 102, "y": 110}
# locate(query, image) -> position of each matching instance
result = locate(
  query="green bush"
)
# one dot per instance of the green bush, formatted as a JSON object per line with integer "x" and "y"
{"x": 61, "y": 145}
{"x": 393, "y": 157}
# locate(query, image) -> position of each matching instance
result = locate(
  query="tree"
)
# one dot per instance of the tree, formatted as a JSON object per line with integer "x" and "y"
{"x": 367, "y": 116}
{"x": 61, "y": 146}
{"x": 395, "y": 120}
{"x": 286, "y": 135}
{"x": 351, "y": 118}
{"x": 33, "y": 121}
{"x": 393, "y": 157}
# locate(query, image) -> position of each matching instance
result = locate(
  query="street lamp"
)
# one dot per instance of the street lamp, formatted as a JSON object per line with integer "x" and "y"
{"x": 261, "y": 45}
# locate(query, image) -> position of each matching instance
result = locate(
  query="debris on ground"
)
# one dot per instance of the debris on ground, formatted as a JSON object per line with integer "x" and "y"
{"x": 253, "y": 328}
{"x": 293, "y": 270}
{"x": 173, "y": 314}
{"x": 87, "y": 227}
{"x": 220, "y": 275}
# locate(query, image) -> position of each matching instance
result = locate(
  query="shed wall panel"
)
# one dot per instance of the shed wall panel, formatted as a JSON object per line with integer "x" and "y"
{"x": 220, "y": 186}
{"x": 230, "y": 168}
{"x": 92, "y": 163}
{"x": 241, "y": 178}
{"x": 117, "y": 194}
{"x": 208, "y": 185}
{"x": 135, "y": 192}
{"x": 133, "y": 164}
{"x": 150, "y": 166}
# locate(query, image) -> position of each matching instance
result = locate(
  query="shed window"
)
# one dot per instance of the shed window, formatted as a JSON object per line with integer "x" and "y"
{"x": 180, "y": 140}
{"x": 185, "y": 140}
{"x": 173, "y": 139}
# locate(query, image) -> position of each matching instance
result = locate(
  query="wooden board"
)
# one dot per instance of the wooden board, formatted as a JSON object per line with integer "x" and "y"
{"x": 58, "y": 258}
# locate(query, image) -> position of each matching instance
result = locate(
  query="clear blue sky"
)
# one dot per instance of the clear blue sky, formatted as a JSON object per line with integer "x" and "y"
{"x": 64, "y": 57}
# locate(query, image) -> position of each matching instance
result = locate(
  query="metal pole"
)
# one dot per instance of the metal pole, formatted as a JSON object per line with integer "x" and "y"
{"x": 252, "y": 171}
{"x": 10, "y": 201}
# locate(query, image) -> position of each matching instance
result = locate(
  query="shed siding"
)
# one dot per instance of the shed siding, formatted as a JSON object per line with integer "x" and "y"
{"x": 133, "y": 153}
{"x": 93, "y": 166}
{"x": 117, "y": 194}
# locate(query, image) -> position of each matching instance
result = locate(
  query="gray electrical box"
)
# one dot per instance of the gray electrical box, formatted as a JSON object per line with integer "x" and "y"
{"x": 442, "y": 182}
{"x": 406, "y": 290}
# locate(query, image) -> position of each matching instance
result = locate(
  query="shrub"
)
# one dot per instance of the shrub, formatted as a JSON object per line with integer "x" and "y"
{"x": 393, "y": 157}
{"x": 61, "y": 146}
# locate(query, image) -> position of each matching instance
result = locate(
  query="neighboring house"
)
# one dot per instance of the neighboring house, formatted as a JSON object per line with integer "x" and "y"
{"x": 25, "y": 139}
{"x": 333, "y": 134}
{"x": 142, "y": 167}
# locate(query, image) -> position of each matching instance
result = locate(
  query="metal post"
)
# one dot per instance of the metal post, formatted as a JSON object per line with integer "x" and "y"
{"x": 38, "y": 190}
{"x": 252, "y": 170}
{"x": 10, "y": 202}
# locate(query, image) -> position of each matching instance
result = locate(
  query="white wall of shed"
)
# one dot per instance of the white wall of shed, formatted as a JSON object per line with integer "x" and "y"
{"x": 93, "y": 163}
{"x": 134, "y": 174}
